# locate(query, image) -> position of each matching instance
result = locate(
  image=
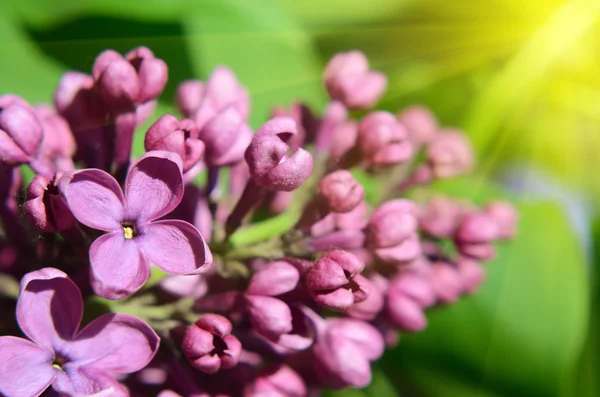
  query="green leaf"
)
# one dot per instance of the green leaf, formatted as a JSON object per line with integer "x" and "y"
{"x": 523, "y": 333}
{"x": 268, "y": 51}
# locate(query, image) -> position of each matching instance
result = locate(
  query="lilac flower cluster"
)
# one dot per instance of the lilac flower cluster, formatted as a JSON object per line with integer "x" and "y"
{"x": 222, "y": 261}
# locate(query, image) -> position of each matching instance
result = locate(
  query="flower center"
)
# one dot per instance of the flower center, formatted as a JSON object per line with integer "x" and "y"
{"x": 129, "y": 230}
{"x": 58, "y": 362}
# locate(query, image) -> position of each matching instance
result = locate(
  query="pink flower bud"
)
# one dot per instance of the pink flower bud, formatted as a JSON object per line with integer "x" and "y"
{"x": 370, "y": 307}
{"x": 341, "y": 191}
{"x": 59, "y": 143}
{"x": 152, "y": 73}
{"x": 506, "y": 217}
{"x": 189, "y": 96}
{"x": 348, "y": 79}
{"x": 344, "y": 350}
{"x": 226, "y": 137}
{"x": 392, "y": 231}
{"x": 21, "y": 132}
{"x": 181, "y": 137}
{"x": 335, "y": 282}
{"x": 472, "y": 275}
{"x": 409, "y": 294}
{"x": 280, "y": 381}
{"x": 382, "y": 140}
{"x": 335, "y": 115}
{"x": 274, "y": 279}
{"x": 270, "y": 166}
{"x": 440, "y": 217}
{"x": 421, "y": 125}
{"x": 450, "y": 154}
{"x": 475, "y": 236}
{"x": 45, "y": 207}
{"x": 446, "y": 281}
{"x": 209, "y": 345}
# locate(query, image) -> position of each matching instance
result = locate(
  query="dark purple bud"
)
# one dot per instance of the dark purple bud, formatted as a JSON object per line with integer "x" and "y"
{"x": 450, "y": 154}
{"x": 45, "y": 207}
{"x": 280, "y": 381}
{"x": 209, "y": 345}
{"x": 506, "y": 217}
{"x": 181, "y": 137}
{"x": 382, "y": 140}
{"x": 348, "y": 79}
{"x": 335, "y": 282}
{"x": 226, "y": 136}
{"x": 392, "y": 231}
{"x": 421, "y": 125}
{"x": 341, "y": 191}
{"x": 270, "y": 166}
{"x": 440, "y": 217}
{"x": 21, "y": 132}
{"x": 152, "y": 73}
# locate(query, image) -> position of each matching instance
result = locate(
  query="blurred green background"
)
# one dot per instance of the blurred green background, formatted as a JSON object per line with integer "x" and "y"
{"x": 520, "y": 77}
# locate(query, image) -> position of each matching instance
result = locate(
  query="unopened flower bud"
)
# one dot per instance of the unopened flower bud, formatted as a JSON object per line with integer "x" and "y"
{"x": 181, "y": 137}
{"x": 440, "y": 217}
{"x": 506, "y": 217}
{"x": 21, "y": 132}
{"x": 280, "y": 381}
{"x": 152, "y": 73}
{"x": 382, "y": 140}
{"x": 335, "y": 281}
{"x": 116, "y": 80}
{"x": 58, "y": 143}
{"x": 447, "y": 282}
{"x": 421, "y": 125}
{"x": 270, "y": 166}
{"x": 475, "y": 235}
{"x": 189, "y": 96}
{"x": 341, "y": 191}
{"x": 409, "y": 294}
{"x": 392, "y": 231}
{"x": 450, "y": 154}
{"x": 45, "y": 207}
{"x": 209, "y": 345}
{"x": 348, "y": 79}
{"x": 226, "y": 137}
{"x": 471, "y": 273}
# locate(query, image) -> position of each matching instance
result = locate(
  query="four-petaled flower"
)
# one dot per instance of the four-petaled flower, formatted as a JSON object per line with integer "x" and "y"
{"x": 120, "y": 259}
{"x": 75, "y": 362}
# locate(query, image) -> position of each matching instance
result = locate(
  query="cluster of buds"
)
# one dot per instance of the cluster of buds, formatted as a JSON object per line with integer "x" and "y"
{"x": 223, "y": 261}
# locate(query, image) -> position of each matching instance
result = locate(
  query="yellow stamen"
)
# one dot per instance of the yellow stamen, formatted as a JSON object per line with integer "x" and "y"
{"x": 128, "y": 231}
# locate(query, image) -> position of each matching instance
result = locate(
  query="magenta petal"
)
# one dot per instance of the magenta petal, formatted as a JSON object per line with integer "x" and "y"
{"x": 274, "y": 279}
{"x": 339, "y": 299}
{"x": 366, "y": 337}
{"x": 154, "y": 186}
{"x": 49, "y": 308}
{"x": 174, "y": 246}
{"x": 25, "y": 368}
{"x": 270, "y": 317}
{"x": 88, "y": 382}
{"x": 117, "y": 268}
{"x": 95, "y": 198}
{"x": 116, "y": 343}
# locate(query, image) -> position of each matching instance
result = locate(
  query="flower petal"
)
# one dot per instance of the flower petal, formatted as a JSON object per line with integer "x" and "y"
{"x": 49, "y": 308}
{"x": 87, "y": 382}
{"x": 116, "y": 343}
{"x": 94, "y": 197}
{"x": 154, "y": 186}
{"x": 174, "y": 246}
{"x": 25, "y": 368}
{"x": 117, "y": 267}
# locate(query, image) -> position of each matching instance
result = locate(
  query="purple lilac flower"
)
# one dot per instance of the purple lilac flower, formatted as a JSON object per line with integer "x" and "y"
{"x": 120, "y": 259}
{"x": 75, "y": 362}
